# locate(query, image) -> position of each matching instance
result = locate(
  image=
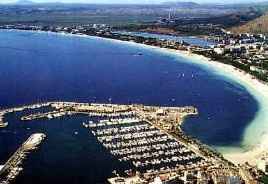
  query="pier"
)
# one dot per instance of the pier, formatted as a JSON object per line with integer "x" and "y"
{"x": 19, "y": 109}
{"x": 149, "y": 149}
{"x": 159, "y": 114}
{"x": 149, "y": 138}
{"x": 13, "y": 166}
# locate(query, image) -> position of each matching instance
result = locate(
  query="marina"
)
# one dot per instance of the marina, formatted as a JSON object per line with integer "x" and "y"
{"x": 162, "y": 80}
{"x": 148, "y": 138}
{"x": 149, "y": 149}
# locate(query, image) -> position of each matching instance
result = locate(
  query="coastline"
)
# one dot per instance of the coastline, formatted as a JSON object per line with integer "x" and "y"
{"x": 253, "y": 143}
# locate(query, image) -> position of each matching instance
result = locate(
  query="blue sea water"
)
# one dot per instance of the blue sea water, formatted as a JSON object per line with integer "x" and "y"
{"x": 39, "y": 67}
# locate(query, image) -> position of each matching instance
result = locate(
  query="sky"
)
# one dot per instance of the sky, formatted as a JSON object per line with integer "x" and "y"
{"x": 133, "y": 1}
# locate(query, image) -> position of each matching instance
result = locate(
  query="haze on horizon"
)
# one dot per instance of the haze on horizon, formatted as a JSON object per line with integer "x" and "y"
{"x": 133, "y": 1}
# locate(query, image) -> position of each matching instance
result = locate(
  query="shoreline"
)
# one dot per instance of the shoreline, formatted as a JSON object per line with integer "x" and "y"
{"x": 254, "y": 139}
{"x": 251, "y": 148}
{"x": 254, "y": 143}
{"x": 254, "y": 146}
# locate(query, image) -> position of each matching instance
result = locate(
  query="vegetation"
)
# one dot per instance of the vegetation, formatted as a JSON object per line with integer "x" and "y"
{"x": 257, "y": 26}
{"x": 115, "y": 15}
{"x": 265, "y": 179}
{"x": 63, "y": 20}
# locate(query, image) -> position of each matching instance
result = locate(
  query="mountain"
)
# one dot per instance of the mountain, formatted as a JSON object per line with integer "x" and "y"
{"x": 24, "y": 2}
{"x": 259, "y": 25}
{"x": 182, "y": 4}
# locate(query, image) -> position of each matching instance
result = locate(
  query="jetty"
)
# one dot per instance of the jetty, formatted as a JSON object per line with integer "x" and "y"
{"x": 13, "y": 166}
{"x": 148, "y": 138}
{"x": 173, "y": 114}
{"x": 4, "y": 112}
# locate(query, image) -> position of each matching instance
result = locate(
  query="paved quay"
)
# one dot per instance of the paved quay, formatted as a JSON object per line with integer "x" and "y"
{"x": 13, "y": 166}
{"x": 150, "y": 139}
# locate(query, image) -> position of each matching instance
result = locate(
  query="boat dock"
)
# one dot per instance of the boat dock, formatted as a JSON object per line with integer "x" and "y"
{"x": 149, "y": 138}
{"x": 19, "y": 109}
{"x": 13, "y": 166}
{"x": 149, "y": 149}
{"x": 109, "y": 111}
{"x": 48, "y": 115}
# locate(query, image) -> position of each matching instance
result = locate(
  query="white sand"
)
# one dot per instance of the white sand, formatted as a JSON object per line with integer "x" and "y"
{"x": 255, "y": 140}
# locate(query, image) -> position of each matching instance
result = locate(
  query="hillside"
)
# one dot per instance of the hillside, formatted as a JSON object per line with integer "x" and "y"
{"x": 24, "y": 2}
{"x": 259, "y": 25}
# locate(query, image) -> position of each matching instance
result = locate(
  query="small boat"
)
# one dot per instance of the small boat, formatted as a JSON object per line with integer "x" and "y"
{"x": 49, "y": 116}
{"x": 3, "y": 125}
{"x": 138, "y": 54}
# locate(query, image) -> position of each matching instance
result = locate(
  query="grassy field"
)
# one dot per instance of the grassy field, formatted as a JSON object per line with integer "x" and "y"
{"x": 73, "y": 19}
{"x": 259, "y": 25}
{"x": 72, "y": 14}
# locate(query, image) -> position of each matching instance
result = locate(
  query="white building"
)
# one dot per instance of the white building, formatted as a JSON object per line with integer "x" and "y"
{"x": 219, "y": 51}
{"x": 263, "y": 165}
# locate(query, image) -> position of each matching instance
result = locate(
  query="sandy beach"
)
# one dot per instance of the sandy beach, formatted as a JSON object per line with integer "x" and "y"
{"x": 255, "y": 138}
